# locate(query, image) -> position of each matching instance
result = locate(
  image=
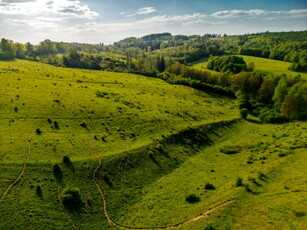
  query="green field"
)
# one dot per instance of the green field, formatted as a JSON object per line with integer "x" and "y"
{"x": 261, "y": 64}
{"x": 142, "y": 146}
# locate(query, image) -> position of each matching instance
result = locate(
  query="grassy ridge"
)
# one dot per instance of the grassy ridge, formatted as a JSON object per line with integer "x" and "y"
{"x": 259, "y": 154}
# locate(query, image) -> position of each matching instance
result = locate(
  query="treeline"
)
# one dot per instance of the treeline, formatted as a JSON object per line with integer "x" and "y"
{"x": 233, "y": 64}
{"x": 202, "y": 80}
{"x": 273, "y": 98}
{"x": 283, "y": 46}
{"x": 159, "y": 41}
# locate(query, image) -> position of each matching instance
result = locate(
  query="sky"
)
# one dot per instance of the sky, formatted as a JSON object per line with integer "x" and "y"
{"x": 108, "y": 21}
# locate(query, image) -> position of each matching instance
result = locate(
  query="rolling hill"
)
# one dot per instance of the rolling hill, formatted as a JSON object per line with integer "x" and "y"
{"x": 136, "y": 148}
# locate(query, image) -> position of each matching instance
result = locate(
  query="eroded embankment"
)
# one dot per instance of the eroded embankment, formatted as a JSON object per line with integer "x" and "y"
{"x": 121, "y": 178}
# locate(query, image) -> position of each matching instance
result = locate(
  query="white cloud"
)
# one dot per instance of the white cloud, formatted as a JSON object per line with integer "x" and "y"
{"x": 237, "y": 13}
{"x": 258, "y": 12}
{"x": 34, "y": 23}
{"x": 300, "y": 11}
{"x": 63, "y": 8}
{"x": 148, "y": 23}
{"x": 146, "y": 10}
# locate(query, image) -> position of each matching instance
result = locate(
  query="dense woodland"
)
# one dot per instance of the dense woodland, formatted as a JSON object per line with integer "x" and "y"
{"x": 272, "y": 98}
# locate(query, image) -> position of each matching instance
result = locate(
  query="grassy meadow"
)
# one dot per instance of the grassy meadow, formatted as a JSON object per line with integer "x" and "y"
{"x": 158, "y": 143}
{"x": 261, "y": 64}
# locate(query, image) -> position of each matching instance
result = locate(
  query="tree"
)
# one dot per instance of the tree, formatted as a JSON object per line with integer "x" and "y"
{"x": 280, "y": 93}
{"x": 6, "y": 50}
{"x": 290, "y": 106}
{"x": 46, "y": 47}
{"x": 20, "y": 52}
{"x": 161, "y": 64}
{"x": 29, "y": 49}
{"x": 266, "y": 91}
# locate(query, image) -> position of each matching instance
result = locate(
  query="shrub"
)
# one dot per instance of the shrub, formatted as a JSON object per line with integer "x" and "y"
{"x": 39, "y": 191}
{"x": 38, "y": 132}
{"x": 83, "y": 125}
{"x": 68, "y": 163}
{"x": 239, "y": 182}
{"x": 56, "y": 125}
{"x": 210, "y": 227}
{"x": 71, "y": 197}
{"x": 209, "y": 186}
{"x": 57, "y": 172}
{"x": 192, "y": 199}
{"x": 243, "y": 113}
{"x": 49, "y": 121}
{"x": 283, "y": 154}
{"x": 299, "y": 213}
{"x": 230, "y": 149}
{"x": 272, "y": 116}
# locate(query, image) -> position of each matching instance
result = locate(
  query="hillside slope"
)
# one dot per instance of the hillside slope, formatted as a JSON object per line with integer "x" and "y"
{"x": 49, "y": 112}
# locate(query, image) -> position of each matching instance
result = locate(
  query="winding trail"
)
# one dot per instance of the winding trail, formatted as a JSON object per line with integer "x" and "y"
{"x": 111, "y": 222}
{"x": 23, "y": 168}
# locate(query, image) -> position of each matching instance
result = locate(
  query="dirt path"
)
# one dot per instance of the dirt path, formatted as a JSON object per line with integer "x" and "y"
{"x": 23, "y": 168}
{"x": 113, "y": 223}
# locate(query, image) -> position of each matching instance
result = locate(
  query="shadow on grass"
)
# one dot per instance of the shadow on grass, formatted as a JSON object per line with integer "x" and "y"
{"x": 254, "y": 121}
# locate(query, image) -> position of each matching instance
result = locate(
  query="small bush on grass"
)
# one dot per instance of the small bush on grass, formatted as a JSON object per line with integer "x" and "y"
{"x": 209, "y": 186}
{"x": 230, "y": 149}
{"x": 83, "y": 125}
{"x": 39, "y": 191}
{"x": 68, "y": 163}
{"x": 38, "y": 132}
{"x": 239, "y": 182}
{"x": 210, "y": 227}
{"x": 272, "y": 116}
{"x": 299, "y": 213}
{"x": 56, "y": 125}
{"x": 57, "y": 172}
{"x": 71, "y": 197}
{"x": 192, "y": 199}
{"x": 243, "y": 113}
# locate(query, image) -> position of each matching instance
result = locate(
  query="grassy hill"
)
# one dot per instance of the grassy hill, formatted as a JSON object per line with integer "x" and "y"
{"x": 138, "y": 147}
{"x": 261, "y": 64}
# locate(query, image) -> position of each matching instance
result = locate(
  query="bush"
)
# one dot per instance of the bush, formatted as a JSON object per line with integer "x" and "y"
{"x": 38, "y": 132}
{"x": 230, "y": 149}
{"x": 299, "y": 213}
{"x": 57, "y": 172}
{"x": 192, "y": 199}
{"x": 56, "y": 125}
{"x": 68, "y": 163}
{"x": 239, "y": 182}
{"x": 209, "y": 186}
{"x": 39, "y": 191}
{"x": 243, "y": 113}
{"x": 71, "y": 197}
{"x": 210, "y": 227}
{"x": 83, "y": 125}
{"x": 272, "y": 116}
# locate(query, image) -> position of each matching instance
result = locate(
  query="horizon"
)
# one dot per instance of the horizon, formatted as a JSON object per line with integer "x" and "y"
{"x": 94, "y": 22}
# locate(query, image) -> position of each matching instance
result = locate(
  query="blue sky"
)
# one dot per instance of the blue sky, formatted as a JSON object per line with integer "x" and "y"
{"x": 107, "y": 21}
